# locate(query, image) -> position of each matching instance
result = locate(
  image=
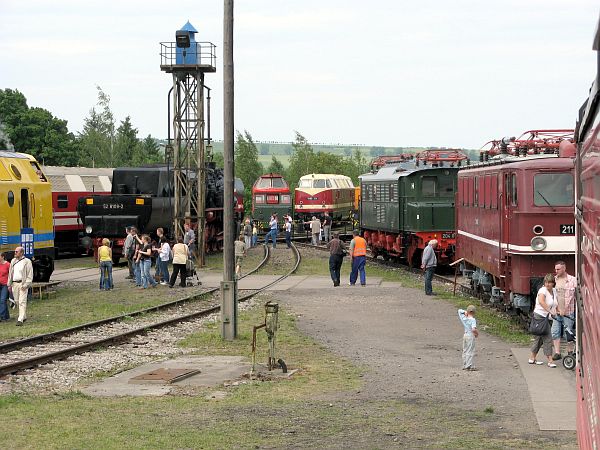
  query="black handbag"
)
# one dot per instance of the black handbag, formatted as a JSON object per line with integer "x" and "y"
{"x": 539, "y": 326}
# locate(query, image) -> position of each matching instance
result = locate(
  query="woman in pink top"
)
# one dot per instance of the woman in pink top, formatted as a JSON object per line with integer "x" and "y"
{"x": 4, "y": 268}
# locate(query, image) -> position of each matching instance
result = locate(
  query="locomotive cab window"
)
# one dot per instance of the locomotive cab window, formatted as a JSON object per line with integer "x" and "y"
{"x": 319, "y": 183}
{"x": 62, "y": 201}
{"x": 279, "y": 183}
{"x": 553, "y": 189}
{"x": 446, "y": 186}
{"x": 429, "y": 186}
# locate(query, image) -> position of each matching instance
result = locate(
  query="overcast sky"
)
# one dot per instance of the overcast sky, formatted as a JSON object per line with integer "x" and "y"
{"x": 396, "y": 73}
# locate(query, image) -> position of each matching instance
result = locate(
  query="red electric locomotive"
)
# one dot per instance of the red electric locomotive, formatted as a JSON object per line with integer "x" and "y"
{"x": 318, "y": 194}
{"x": 68, "y": 185}
{"x": 515, "y": 216}
{"x": 587, "y": 190}
{"x": 270, "y": 194}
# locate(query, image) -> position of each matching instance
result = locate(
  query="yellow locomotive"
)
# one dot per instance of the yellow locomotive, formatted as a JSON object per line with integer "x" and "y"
{"x": 26, "y": 211}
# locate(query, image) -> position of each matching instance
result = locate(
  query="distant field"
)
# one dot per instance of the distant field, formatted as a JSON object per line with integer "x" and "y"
{"x": 282, "y": 151}
{"x": 265, "y": 160}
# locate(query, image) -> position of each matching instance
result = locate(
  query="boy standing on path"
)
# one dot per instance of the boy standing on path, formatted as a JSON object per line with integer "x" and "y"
{"x": 240, "y": 252}
{"x": 467, "y": 318}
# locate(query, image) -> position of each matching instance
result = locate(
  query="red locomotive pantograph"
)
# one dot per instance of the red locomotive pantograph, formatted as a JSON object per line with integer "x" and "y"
{"x": 514, "y": 215}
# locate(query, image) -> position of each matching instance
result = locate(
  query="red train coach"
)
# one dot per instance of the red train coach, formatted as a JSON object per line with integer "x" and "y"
{"x": 514, "y": 216}
{"x": 68, "y": 185}
{"x": 587, "y": 189}
{"x": 318, "y": 194}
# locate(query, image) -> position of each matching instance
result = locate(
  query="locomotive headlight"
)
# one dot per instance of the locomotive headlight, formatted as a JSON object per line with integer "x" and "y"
{"x": 88, "y": 229}
{"x": 538, "y": 243}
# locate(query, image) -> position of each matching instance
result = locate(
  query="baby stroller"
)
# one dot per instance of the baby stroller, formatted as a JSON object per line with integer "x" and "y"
{"x": 191, "y": 272}
{"x": 570, "y": 358}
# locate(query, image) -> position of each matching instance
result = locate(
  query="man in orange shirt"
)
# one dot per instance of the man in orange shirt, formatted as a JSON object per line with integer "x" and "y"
{"x": 358, "y": 252}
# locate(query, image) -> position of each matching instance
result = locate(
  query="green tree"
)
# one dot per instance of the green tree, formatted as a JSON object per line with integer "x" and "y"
{"x": 151, "y": 151}
{"x": 276, "y": 166}
{"x": 127, "y": 147}
{"x": 98, "y": 137}
{"x": 35, "y": 131}
{"x": 218, "y": 159}
{"x": 302, "y": 160}
{"x": 247, "y": 166}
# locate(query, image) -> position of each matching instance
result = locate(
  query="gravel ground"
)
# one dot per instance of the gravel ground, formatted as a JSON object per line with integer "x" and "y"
{"x": 410, "y": 346}
{"x": 63, "y": 376}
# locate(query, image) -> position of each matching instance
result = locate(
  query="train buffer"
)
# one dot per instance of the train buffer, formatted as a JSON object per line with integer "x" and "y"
{"x": 42, "y": 289}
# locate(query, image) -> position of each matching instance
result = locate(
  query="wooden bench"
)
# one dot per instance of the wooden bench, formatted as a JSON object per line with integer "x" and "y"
{"x": 42, "y": 289}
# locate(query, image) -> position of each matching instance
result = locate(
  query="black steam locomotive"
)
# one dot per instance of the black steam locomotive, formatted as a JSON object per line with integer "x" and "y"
{"x": 144, "y": 197}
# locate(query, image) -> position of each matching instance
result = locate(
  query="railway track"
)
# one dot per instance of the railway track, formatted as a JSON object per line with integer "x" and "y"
{"x": 55, "y": 346}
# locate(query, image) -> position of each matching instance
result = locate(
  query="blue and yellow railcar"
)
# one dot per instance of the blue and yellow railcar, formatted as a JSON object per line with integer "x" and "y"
{"x": 26, "y": 211}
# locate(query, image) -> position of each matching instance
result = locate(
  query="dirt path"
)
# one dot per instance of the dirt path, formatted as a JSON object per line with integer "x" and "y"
{"x": 410, "y": 346}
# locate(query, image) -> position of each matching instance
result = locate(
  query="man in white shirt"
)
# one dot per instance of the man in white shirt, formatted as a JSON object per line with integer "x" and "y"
{"x": 20, "y": 277}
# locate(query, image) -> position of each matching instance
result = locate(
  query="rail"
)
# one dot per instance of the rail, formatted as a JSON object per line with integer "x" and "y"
{"x": 122, "y": 337}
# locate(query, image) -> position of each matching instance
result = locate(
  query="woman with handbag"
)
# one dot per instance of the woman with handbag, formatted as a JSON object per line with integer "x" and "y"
{"x": 545, "y": 308}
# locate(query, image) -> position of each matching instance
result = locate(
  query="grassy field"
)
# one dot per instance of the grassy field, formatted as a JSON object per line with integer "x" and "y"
{"x": 315, "y": 408}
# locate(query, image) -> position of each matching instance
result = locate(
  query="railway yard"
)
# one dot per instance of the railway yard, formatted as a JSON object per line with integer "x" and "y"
{"x": 373, "y": 367}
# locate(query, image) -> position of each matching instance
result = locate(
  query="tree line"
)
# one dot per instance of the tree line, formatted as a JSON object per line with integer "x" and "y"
{"x": 101, "y": 143}
{"x": 303, "y": 161}
{"x": 104, "y": 143}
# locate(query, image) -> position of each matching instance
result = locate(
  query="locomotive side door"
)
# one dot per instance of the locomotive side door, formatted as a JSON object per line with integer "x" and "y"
{"x": 504, "y": 226}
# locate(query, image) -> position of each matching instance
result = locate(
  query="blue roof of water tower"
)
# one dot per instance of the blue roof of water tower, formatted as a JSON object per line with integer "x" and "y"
{"x": 189, "y": 27}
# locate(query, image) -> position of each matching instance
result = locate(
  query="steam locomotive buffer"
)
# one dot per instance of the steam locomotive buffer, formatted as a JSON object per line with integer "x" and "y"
{"x": 188, "y": 61}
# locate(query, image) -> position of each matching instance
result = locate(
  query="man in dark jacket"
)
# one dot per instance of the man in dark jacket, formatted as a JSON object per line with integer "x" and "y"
{"x": 337, "y": 251}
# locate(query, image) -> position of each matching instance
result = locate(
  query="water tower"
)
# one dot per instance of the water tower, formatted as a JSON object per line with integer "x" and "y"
{"x": 188, "y": 61}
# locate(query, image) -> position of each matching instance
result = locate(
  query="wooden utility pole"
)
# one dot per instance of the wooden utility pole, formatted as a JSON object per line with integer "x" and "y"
{"x": 229, "y": 311}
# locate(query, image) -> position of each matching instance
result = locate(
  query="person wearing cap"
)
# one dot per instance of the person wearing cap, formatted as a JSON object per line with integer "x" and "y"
{"x": 469, "y": 323}
{"x": 428, "y": 264}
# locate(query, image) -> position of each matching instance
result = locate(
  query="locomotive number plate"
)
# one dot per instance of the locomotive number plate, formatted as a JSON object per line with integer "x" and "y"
{"x": 113, "y": 206}
{"x": 567, "y": 229}
{"x": 312, "y": 198}
{"x": 447, "y": 235}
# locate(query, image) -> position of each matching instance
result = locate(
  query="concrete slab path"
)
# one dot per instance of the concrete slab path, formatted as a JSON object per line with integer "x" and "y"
{"x": 552, "y": 391}
{"x": 214, "y": 371}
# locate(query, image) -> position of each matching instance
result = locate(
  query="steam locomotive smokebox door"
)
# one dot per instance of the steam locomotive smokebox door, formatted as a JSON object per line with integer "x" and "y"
{"x": 187, "y": 50}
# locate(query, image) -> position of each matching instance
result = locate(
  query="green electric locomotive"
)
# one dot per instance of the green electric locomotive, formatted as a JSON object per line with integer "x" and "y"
{"x": 405, "y": 205}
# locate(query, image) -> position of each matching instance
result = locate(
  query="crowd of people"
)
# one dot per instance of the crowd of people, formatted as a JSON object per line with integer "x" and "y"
{"x": 140, "y": 250}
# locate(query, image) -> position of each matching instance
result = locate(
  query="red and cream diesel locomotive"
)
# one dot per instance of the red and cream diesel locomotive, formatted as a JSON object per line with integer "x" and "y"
{"x": 514, "y": 215}
{"x": 318, "y": 194}
{"x": 587, "y": 213}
